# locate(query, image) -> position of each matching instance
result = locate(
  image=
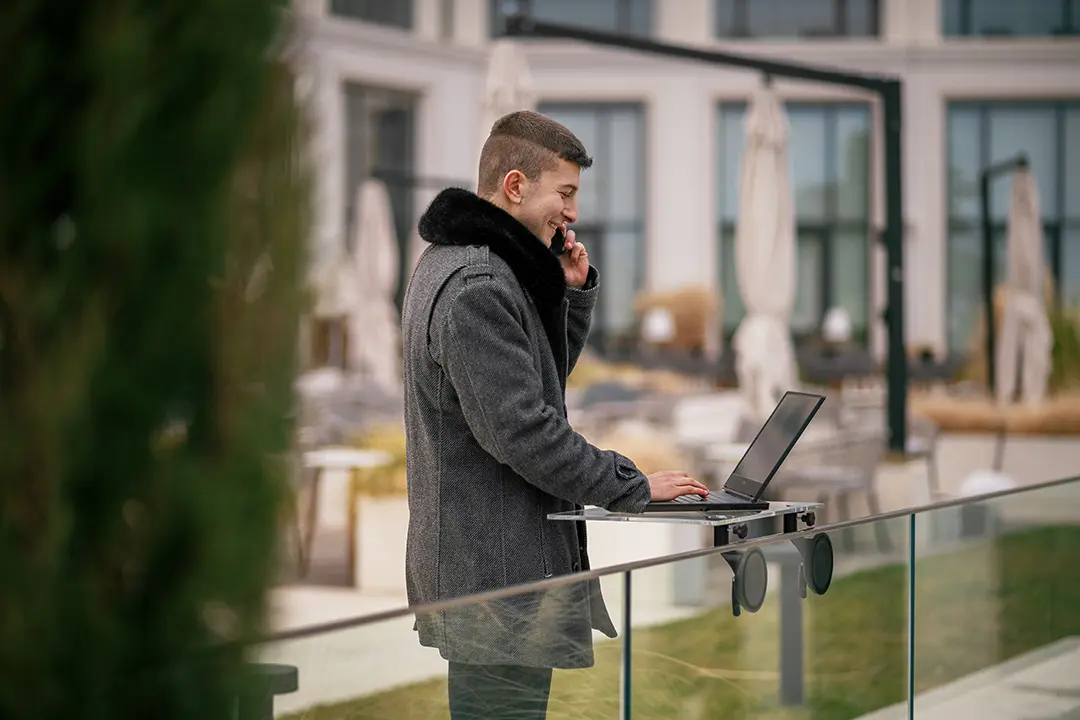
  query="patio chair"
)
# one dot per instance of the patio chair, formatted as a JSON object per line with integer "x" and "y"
{"x": 838, "y": 469}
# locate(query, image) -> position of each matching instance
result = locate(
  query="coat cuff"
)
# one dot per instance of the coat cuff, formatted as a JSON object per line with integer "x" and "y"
{"x": 585, "y": 296}
{"x": 637, "y": 494}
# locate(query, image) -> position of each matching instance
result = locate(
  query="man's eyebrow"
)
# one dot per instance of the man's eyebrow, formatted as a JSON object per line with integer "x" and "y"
{"x": 572, "y": 186}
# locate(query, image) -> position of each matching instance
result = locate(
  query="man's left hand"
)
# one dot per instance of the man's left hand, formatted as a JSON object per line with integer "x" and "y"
{"x": 575, "y": 261}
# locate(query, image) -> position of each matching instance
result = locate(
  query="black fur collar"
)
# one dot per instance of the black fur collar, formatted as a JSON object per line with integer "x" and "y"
{"x": 460, "y": 217}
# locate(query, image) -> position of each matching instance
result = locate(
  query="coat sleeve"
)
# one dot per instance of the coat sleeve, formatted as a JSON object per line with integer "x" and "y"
{"x": 488, "y": 357}
{"x": 579, "y": 318}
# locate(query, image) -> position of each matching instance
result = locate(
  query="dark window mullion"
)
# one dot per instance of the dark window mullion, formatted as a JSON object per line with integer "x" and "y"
{"x": 965, "y": 17}
{"x": 840, "y": 17}
{"x": 740, "y": 22}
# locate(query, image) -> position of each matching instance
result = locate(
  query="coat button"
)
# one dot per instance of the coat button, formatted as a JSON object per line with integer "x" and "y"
{"x": 577, "y": 567}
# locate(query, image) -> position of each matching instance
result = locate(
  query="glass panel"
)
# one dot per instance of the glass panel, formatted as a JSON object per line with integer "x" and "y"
{"x": 965, "y": 152}
{"x": 952, "y": 14}
{"x": 842, "y": 654}
{"x": 725, "y": 18}
{"x": 729, "y": 281}
{"x": 996, "y": 621}
{"x": 1025, "y": 129}
{"x": 395, "y": 13}
{"x": 624, "y": 155}
{"x": 1070, "y": 267}
{"x": 639, "y": 21}
{"x": 852, "y": 162}
{"x": 850, "y": 276}
{"x": 1071, "y": 152}
{"x": 629, "y": 16}
{"x": 621, "y": 278}
{"x": 966, "y": 286}
{"x": 809, "y": 273}
{"x": 994, "y": 17}
{"x": 585, "y": 123}
{"x": 1005, "y": 17}
{"x": 787, "y": 19}
{"x": 781, "y": 18}
{"x": 808, "y": 162}
{"x": 730, "y": 148}
{"x": 380, "y": 671}
{"x": 862, "y": 18}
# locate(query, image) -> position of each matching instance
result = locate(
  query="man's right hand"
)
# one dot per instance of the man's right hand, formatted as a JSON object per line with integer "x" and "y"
{"x": 670, "y": 484}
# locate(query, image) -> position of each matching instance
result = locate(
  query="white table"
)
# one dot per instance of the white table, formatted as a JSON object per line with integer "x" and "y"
{"x": 349, "y": 460}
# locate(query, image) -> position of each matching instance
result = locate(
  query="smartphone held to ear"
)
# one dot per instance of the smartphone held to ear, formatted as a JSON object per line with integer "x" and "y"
{"x": 558, "y": 243}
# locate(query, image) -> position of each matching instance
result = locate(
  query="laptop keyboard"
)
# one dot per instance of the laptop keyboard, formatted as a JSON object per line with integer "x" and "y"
{"x": 711, "y": 497}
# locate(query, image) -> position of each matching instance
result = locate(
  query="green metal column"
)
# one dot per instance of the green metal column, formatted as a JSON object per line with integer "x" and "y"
{"x": 896, "y": 376}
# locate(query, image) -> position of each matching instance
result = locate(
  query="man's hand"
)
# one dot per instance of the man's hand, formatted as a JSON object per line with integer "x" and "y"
{"x": 575, "y": 261}
{"x": 670, "y": 484}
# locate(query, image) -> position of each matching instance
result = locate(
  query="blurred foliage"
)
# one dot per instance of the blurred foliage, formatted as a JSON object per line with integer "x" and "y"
{"x": 1065, "y": 355}
{"x": 152, "y": 222}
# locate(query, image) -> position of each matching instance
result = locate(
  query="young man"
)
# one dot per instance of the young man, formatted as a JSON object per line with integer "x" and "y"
{"x": 492, "y": 325}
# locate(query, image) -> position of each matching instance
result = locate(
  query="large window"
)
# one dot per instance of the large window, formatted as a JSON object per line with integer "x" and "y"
{"x": 395, "y": 13}
{"x": 380, "y": 141}
{"x": 796, "y": 18}
{"x": 633, "y": 17}
{"x": 829, "y": 152}
{"x": 979, "y": 135}
{"x": 1010, "y": 18}
{"x": 611, "y": 220}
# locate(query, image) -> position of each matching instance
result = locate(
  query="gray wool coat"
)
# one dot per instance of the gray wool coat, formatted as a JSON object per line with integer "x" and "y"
{"x": 490, "y": 333}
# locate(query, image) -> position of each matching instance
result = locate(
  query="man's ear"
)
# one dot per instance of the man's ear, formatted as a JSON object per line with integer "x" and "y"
{"x": 514, "y": 186}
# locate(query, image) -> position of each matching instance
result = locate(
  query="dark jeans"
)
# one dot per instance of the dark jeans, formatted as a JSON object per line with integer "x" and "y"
{"x": 498, "y": 692}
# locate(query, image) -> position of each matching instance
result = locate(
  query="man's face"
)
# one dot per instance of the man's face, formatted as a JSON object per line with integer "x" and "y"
{"x": 545, "y": 204}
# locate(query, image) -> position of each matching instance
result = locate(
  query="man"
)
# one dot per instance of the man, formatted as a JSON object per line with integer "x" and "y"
{"x": 492, "y": 325}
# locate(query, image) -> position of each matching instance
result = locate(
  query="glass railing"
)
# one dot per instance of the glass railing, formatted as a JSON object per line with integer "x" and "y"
{"x": 970, "y": 609}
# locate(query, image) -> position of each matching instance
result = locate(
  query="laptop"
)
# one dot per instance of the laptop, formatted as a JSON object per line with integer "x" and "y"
{"x": 747, "y": 482}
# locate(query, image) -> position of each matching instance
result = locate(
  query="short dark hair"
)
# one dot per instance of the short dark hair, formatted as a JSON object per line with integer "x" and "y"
{"x": 529, "y": 142}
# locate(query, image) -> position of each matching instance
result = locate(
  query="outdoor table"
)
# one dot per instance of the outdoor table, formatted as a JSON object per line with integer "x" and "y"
{"x": 350, "y": 460}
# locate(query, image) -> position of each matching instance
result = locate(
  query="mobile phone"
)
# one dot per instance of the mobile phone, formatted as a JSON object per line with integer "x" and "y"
{"x": 558, "y": 243}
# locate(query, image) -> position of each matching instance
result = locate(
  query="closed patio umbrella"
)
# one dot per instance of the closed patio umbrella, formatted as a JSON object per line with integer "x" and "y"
{"x": 509, "y": 85}
{"x": 1026, "y": 339}
{"x": 374, "y": 329}
{"x": 765, "y": 258}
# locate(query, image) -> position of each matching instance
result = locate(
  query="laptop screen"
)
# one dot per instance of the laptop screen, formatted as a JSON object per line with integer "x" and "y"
{"x": 773, "y": 442}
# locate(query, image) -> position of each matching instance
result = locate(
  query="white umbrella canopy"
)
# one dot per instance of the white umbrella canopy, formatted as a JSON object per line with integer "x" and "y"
{"x": 1026, "y": 340}
{"x": 509, "y": 85}
{"x": 374, "y": 331}
{"x": 765, "y": 257}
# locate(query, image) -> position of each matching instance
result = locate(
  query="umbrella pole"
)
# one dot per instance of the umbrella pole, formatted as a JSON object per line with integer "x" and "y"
{"x": 897, "y": 367}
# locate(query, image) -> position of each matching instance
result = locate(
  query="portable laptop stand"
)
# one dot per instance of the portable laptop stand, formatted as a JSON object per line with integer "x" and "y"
{"x": 758, "y": 465}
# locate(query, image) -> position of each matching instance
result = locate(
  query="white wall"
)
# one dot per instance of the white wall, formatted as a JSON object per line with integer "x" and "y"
{"x": 680, "y": 101}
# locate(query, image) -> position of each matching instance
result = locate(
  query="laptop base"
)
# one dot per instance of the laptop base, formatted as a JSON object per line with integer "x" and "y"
{"x": 712, "y": 503}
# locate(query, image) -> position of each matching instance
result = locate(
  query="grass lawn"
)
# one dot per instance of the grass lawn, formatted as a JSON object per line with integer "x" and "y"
{"x": 975, "y": 607}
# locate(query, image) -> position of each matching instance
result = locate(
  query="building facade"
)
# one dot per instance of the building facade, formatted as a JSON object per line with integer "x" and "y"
{"x": 397, "y": 91}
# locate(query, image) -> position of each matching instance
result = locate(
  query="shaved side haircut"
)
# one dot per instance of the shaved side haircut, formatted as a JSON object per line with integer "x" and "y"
{"x": 529, "y": 142}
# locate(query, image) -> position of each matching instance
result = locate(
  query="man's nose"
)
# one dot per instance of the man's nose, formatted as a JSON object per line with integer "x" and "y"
{"x": 570, "y": 212}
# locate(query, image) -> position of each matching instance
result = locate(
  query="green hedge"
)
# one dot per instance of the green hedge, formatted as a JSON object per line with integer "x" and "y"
{"x": 152, "y": 224}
